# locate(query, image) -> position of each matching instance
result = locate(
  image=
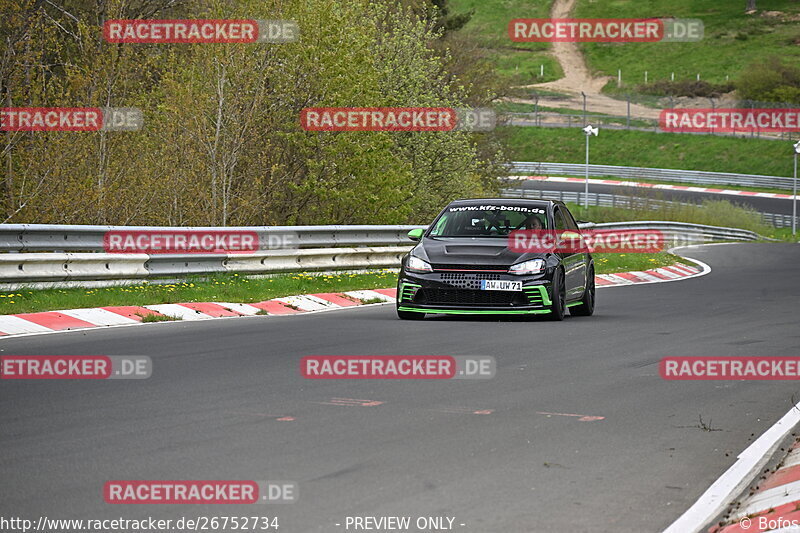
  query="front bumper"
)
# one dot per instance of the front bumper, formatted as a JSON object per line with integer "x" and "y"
{"x": 460, "y": 293}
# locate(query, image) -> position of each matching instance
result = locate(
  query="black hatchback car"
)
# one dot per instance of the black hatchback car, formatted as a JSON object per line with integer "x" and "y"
{"x": 463, "y": 263}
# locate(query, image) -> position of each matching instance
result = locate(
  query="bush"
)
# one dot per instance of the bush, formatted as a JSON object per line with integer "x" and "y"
{"x": 770, "y": 81}
{"x": 691, "y": 88}
{"x": 710, "y": 212}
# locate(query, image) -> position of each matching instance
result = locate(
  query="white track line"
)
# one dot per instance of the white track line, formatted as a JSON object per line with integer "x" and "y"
{"x": 730, "y": 484}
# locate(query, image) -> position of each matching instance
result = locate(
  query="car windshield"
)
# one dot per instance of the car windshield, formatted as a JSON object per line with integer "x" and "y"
{"x": 487, "y": 221}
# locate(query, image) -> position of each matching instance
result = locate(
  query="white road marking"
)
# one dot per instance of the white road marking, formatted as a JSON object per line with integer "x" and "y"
{"x": 736, "y": 478}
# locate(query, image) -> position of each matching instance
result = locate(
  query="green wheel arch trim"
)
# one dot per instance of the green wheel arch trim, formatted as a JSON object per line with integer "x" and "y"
{"x": 475, "y": 311}
{"x": 413, "y": 287}
{"x": 542, "y": 292}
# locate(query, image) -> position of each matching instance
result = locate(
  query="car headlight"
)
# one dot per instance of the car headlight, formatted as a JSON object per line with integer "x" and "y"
{"x": 534, "y": 266}
{"x": 417, "y": 265}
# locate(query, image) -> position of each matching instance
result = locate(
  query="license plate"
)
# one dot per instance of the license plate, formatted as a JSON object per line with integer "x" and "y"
{"x": 500, "y": 285}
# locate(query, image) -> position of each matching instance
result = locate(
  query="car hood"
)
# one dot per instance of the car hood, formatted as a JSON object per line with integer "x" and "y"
{"x": 471, "y": 251}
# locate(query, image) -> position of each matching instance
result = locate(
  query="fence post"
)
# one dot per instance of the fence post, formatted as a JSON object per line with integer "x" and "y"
{"x": 628, "y": 120}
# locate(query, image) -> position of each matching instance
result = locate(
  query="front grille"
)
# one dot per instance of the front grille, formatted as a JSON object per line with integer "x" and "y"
{"x": 436, "y": 296}
{"x": 471, "y": 268}
{"x": 466, "y": 280}
{"x": 468, "y": 276}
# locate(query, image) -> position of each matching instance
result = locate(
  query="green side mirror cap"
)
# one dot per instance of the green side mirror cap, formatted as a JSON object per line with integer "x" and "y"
{"x": 416, "y": 234}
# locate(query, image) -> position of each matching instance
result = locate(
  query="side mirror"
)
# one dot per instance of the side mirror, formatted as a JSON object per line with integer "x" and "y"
{"x": 416, "y": 234}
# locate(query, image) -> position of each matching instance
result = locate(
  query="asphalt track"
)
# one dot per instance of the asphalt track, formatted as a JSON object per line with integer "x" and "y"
{"x": 763, "y": 205}
{"x": 211, "y": 409}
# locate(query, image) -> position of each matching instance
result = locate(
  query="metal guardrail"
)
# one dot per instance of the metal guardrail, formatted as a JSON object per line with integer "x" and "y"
{"x": 385, "y": 249}
{"x": 777, "y": 220}
{"x": 682, "y": 233}
{"x": 643, "y": 174}
{"x": 71, "y": 238}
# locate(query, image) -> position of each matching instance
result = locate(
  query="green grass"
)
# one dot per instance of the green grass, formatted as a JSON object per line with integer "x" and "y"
{"x": 658, "y": 150}
{"x": 668, "y": 182}
{"x": 159, "y": 318}
{"x": 612, "y": 263}
{"x": 520, "y": 61}
{"x": 710, "y": 212}
{"x": 226, "y": 288}
{"x": 732, "y": 40}
{"x": 602, "y": 119}
{"x": 516, "y": 107}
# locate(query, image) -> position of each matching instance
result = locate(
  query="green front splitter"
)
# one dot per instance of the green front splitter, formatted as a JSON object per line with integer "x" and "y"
{"x": 475, "y": 311}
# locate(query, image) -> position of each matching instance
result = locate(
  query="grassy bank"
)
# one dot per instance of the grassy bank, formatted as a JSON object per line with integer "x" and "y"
{"x": 732, "y": 40}
{"x": 611, "y": 263}
{"x": 711, "y": 212}
{"x": 521, "y": 62}
{"x": 658, "y": 150}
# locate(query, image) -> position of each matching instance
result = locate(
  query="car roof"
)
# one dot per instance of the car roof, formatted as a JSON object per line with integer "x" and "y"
{"x": 507, "y": 201}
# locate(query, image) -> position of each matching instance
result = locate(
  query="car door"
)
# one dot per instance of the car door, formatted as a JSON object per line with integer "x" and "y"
{"x": 573, "y": 275}
{"x": 581, "y": 258}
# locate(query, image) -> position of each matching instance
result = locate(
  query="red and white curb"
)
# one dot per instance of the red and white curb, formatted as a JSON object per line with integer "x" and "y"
{"x": 655, "y": 275}
{"x": 774, "y": 504}
{"x": 708, "y": 190}
{"x": 776, "y": 497}
{"x": 77, "y": 319}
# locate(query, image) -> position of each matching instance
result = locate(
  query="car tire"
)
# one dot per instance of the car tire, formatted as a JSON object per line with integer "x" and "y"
{"x": 410, "y": 315}
{"x": 586, "y": 308}
{"x": 559, "y": 296}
